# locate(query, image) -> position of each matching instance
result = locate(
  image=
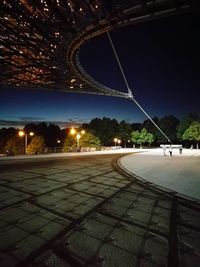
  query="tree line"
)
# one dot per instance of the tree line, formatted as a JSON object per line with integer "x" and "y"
{"x": 101, "y": 132}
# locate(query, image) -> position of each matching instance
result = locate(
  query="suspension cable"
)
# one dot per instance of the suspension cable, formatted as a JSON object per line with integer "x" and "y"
{"x": 120, "y": 66}
{"x": 131, "y": 97}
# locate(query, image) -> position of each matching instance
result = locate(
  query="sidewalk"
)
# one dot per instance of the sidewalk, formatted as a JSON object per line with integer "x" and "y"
{"x": 83, "y": 212}
{"x": 180, "y": 173}
{"x": 68, "y": 154}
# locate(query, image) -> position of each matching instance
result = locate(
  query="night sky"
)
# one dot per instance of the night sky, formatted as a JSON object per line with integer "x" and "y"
{"x": 161, "y": 60}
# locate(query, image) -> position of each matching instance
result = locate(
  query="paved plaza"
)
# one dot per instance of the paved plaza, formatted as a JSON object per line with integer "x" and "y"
{"x": 179, "y": 173}
{"x": 85, "y": 210}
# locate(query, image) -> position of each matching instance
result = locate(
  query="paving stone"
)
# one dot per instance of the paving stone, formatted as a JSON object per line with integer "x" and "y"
{"x": 188, "y": 259}
{"x": 161, "y": 220}
{"x": 29, "y": 207}
{"x": 33, "y": 223}
{"x": 13, "y": 214}
{"x": 189, "y": 240}
{"x": 113, "y": 256}
{"x": 7, "y": 260}
{"x": 6, "y": 193}
{"x": 138, "y": 216}
{"x": 97, "y": 229}
{"x": 2, "y": 223}
{"x": 53, "y": 261}
{"x": 26, "y": 246}
{"x": 128, "y": 238}
{"x": 190, "y": 216}
{"x": 50, "y": 230}
{"x": 114, "y": 209}
{"x": 11, "y": 236}
{"x": 130, "y": 229}
{"x": 156, "y": 249}
{"x": 83, "y": 245}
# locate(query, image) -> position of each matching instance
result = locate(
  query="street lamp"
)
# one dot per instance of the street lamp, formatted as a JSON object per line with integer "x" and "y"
{"x": 78, "y": 136}
{"x": 115, "y": 140}
{"x": 72, "y": 131}
{"x": 21, "y": 134}
{"x": 119, "y": 142}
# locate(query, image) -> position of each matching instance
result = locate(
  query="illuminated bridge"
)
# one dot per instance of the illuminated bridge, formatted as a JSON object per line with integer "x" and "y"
{"x": 41, "y": 39}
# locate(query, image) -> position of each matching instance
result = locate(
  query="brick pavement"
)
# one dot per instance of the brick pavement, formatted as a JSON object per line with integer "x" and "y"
{"x": 84, "y": 211}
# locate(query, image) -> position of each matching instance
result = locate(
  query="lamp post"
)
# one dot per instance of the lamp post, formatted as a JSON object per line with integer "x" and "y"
{"x": 57, "y": 148}
{"x": 115, "y": 140}
{"x": 78, "y": 136}
{"x": 21, "y": 134}
{"x": 119, "y": 142}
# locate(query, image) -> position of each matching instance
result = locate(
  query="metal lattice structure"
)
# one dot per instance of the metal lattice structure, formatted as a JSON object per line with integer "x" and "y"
{"x": 40, "y": 39}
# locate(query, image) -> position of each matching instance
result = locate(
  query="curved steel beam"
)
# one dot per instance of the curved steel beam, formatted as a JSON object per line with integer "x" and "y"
{"x": 40, "y": 40}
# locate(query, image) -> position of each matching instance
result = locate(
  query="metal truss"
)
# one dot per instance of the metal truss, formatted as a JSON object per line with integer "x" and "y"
{"x": 40, "y": 39}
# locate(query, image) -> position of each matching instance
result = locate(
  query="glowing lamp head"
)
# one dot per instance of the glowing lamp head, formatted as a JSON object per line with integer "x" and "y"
{"x": 72, "y": 131}
{"x": 115, "y": 139}
{"x": 21, "y": 133}
{"x": 83, "y": 132}
{"x": 31, "y": 133}
{"x": 78, "y": 136}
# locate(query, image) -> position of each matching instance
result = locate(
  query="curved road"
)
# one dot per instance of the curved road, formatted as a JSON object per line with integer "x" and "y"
{"x": 86, "y": 211}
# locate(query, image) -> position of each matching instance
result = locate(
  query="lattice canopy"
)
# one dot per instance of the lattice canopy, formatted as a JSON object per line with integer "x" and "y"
{"x": 40, "y": 39}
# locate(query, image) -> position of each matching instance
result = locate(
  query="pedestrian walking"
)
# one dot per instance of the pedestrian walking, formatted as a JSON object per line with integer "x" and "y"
{"x": 180, "y": 150}
{"x": 164, "y": 150}
{"x": 170, "y": 151}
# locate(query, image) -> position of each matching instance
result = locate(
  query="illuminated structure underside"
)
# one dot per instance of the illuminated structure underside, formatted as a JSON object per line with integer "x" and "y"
{"x": 40, "y": 39}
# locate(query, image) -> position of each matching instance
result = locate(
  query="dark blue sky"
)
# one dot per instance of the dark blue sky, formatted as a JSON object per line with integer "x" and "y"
{"x": 161, "y": 60}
